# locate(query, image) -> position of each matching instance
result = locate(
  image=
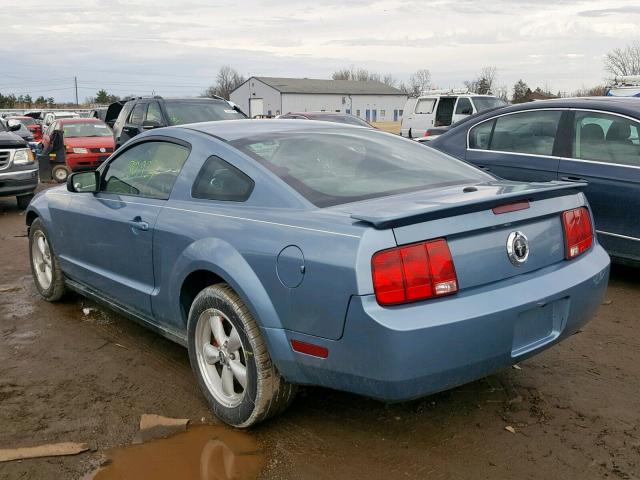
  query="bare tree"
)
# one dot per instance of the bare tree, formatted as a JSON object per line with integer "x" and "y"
{"x": 363, "y": 75}
{"x": 227, "y": 80}
{"x": 484, "y": 83}
{"x": 624, "y": 61}
{"x": 418, "y": 83}
{"x": 342, "y": 74}
{"x": 597, "y": 91}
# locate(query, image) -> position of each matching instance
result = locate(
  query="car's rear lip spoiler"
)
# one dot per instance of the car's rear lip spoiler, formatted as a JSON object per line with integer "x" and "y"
{"x": 436, "y": 211}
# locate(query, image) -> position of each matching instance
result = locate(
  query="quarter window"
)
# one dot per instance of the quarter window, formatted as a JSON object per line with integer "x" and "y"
{"x": 137, "y": 114}
{"x": 480, "y": 135}
{"x": 219, "y": 180}
{"x": 425, "y": 105}
{"x": 532, "y": 132}
{"x": 147, "y": 170}
{"x": 606, "y": 138}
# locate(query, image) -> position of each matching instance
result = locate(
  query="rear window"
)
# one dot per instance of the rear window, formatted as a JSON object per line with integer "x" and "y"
{"x": 332, "y": 167}
{"x": 194, "y": 112}
{"x": 348, "y": 119}
{"x": 26, "y": 121}
{"x": 486, "y": 103}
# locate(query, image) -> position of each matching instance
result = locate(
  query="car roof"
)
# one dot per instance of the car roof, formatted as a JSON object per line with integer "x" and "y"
{"x": 628, "y": 105}
{"x": 230, "y": 130}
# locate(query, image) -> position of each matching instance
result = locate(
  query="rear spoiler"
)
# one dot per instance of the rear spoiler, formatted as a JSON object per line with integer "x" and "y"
{"x": 425, "y": 211}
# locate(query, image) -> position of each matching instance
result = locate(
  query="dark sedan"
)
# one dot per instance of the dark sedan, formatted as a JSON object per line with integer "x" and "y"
{"x": 576, "y": 139}
{"x": 345, "y": 118}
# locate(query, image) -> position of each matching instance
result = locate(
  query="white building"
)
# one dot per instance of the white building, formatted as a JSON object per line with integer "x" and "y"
{"x": 270, "y": 96}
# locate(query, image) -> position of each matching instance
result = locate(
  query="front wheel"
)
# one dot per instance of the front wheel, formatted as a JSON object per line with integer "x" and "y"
{"x": 45, "y": 268}
{"x": 231, "y": 361}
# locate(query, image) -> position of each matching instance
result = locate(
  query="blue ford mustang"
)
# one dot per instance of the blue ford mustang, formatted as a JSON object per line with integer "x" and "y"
{"x": 283, "y": 253}
{"x": 593, "y": 140}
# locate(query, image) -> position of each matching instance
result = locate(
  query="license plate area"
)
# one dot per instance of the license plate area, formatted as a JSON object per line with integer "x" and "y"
{"x": 539, "y": 325}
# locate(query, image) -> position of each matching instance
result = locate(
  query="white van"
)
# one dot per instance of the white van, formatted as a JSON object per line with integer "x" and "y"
{"x": 442, "y": 108}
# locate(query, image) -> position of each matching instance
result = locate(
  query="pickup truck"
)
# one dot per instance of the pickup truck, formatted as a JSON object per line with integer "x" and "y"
{"x": 18, "y": 169}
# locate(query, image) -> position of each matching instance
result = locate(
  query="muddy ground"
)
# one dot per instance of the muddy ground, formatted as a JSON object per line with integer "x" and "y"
{"x": 67, "y": 376}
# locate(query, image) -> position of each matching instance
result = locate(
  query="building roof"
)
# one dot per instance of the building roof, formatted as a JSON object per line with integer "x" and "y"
{"x": 337, "y": 87}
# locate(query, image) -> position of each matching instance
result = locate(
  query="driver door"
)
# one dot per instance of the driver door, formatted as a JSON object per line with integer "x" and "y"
{"x": 109, "y": 234}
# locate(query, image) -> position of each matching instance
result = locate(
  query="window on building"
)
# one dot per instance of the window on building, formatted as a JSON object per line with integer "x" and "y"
{"x": 400, "y": 112}
{"x": 383, "y": 113}
{"x": 357, "y": 113}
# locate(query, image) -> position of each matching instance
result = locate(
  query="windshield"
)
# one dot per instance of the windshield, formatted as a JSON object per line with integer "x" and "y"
{"x": 348, "y": 119}
{"x": 331, "y": 167}
{"x": 485, "y": 103}
{"x": 88, "y": 129}
{"x": 194, "y": 112}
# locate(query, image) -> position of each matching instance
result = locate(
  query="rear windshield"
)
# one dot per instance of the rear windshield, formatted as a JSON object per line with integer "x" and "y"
{"x": 485, "y": 103}
{"x": 194, "y": 112}
{"x": 89, "y": 129}
{"x": 331, "y": 167}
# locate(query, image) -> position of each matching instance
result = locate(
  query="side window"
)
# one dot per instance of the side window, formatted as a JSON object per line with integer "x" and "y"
{"x": 606, "y": 138}
{"x": 425, "y": 105}
{"x": 532, "y": 132}
{"x": 137, "y": 114}
{"x": 218, "y": 180}
{"x": 464, "y": 106}
{"x": 153, "y": 113}
{"x": 480, "y": 135}
{"x": 147, "y": 170}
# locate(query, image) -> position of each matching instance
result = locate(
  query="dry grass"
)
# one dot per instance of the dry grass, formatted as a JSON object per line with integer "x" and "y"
{"x": 391, "y": 127}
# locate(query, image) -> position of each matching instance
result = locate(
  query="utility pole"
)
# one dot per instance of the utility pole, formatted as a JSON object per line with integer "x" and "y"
{"x": 75, "y": 83}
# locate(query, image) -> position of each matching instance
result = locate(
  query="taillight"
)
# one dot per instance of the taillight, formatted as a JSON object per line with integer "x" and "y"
{"x": 578, "y": 233}
{"x": 427, "y": 133}
{"x": 413, "y": 272}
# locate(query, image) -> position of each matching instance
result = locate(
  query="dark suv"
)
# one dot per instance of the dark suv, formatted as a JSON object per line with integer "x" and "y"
{"x": 144, "y": 113}
{"x": 18, "y": 170}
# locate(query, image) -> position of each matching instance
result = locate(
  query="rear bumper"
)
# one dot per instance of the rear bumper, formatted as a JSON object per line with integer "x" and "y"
{"x": 18, "y": 182}
{"x": 406, "y": 352}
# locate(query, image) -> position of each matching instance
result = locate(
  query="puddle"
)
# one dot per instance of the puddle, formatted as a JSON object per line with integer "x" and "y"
{"x": 203, "y": 452}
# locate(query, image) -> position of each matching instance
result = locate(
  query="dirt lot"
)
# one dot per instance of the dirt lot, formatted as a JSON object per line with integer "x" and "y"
{"x": 67, "y": 376}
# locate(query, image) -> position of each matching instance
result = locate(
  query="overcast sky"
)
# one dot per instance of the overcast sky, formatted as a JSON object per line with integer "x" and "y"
{"x": 175, "y": 48}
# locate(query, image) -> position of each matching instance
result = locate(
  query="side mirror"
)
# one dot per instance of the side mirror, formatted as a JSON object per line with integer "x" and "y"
{"x": 150, "y": 124}
{"x": 14, "y": 125}
{"x": 84, "y": 182}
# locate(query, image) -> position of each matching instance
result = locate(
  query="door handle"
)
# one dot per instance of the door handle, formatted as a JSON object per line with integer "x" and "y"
{"x": 139, "y": 224}
{"x": 572, "y": 179}
{"x": 482, "y": 167}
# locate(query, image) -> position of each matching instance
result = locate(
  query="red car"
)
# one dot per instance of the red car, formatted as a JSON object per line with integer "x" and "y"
{"x": 34, "y": 127}
{"x": 87, "y": 143}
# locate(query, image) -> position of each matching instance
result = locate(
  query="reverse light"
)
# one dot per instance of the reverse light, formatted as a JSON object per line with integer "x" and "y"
{"x": 578, "y": 232}
{"x": 23, "y": 156}
{"x": 413, "y": 272}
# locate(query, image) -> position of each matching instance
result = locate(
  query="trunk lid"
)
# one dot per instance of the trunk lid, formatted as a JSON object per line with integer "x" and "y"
{"x": 478, "y": 237}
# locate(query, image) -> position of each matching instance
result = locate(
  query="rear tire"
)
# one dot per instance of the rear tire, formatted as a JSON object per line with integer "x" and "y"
{"x": 23, "y": 201}
{"x": 60, "y": 173}
{"x": 45, "y": 268}
{"x": 227, "y": 348}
